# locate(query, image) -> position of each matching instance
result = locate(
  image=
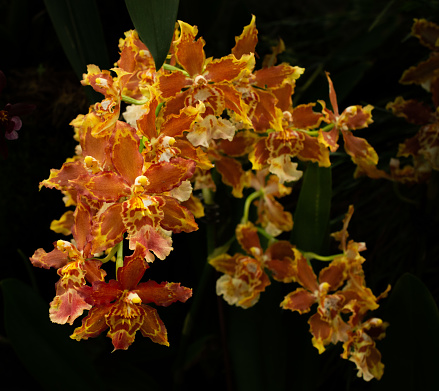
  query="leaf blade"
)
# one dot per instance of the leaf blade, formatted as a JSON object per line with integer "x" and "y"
{"x": 154, "y": 21}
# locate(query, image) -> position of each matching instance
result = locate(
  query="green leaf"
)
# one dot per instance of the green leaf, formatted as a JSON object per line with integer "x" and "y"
{"x": 54, "y": 360}
{"x": 410, "y": 348}
{"x": 257, "y": 343}
{"x": 154, "y": 20}
{"x": 78, "y": 27}
{"x": 311, "y": 217}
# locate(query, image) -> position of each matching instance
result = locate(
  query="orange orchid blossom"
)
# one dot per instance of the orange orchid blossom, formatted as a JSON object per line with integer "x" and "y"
{"x": 340, "y": 291}
{"x": 423, "y": 147}
{"x": 120, "y": 305}
{"x": 74, "y": 272}
{"x": 244, "y": 276}
{"x": 352, "y": 118}
{"x": 208, "y": 81}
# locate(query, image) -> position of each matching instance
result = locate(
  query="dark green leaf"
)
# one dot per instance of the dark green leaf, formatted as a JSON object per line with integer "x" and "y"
{"x": 410, "y": 349}
{"x": 56, "y": 361}
{"x": 154, "y": 20}
{"x": 311, "y": 217}
{"x": 78, "y": 26}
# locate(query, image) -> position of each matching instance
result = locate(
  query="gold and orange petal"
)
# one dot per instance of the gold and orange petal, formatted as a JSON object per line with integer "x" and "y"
{"x": 413, "y": 111}
{"x": 64, "y": 224}
{"x": 427, "y": 33}
{"x": 247, "y": 41}
{"x": 423, "y": 73}
{"x": 107, "y": 229}
{"x": 304, "y": 117}
{"x": 232, "y": 174}
{"x": 125, "y": 156}
{"x": 93, "y": 324}
{"x": 189, "y": 52}
{"x": 300, "y": 300}
{"x": 177, "y": 218}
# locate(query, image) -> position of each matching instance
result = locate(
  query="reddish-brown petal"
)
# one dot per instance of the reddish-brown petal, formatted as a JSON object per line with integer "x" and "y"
{"x": 60, "y": 179}
{"x": 304, "y": 117}
{"x": 103, "y": 186}
{"x": 153, "y": 327}
{"x": 321, "y": 331}
{"x": 232, "y": 174}
{"x": 259, "y": 155}
{"x": 246, "y": 42}
{"x": 93, "y": 271}
{"x": 165, "y": 176}
{"x": 228, "y": 68}
{"x": 163, "y": 294}
{"x": 108, "y": 228}
{"x": 332, "y": 95}
{"x": 93, "y": 324}
{"x": 83, "y": 221}
{"x": 415, "y": 112}
{"x": 422, "y": 72}
{"x": 314, "y": 151}
{"x": 189, "y": 52}
{"x": 170, "y": 85}
{"x": 225, "y": 263}
{"x": 101, "y": 292}
{"x": 275, "y": 76}
{"x": 133, "y": 269}
{"x": 358, "y": 147}
{"x": 334, "y": 274}
{"x": 247, "y": 236}
{"x": 427, "y": 32}
{"x": 125, "y": 154}
{"x": 176, "y": 125}
{"x": 146, "y": 124}
{"x": 241, "y": 144}
{"x": 306, "y": 275}
{"x": 55, "y": 258}
{"x": 300, "y": 300}
{"x": 177, "y": 218}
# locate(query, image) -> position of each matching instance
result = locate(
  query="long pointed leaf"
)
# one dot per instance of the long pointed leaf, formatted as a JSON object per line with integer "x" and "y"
{"x": 311, "y": 217}
{"x": 78, "y": 26}
{"x": 154, "y": 20}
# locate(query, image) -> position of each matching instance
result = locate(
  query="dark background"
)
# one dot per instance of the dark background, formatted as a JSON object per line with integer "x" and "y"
{"x": 365, "y": 45}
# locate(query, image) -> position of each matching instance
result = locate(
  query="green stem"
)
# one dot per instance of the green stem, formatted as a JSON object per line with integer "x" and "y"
{"x": 127, "y": 99}
{"x": 158, "y": 108}
{"x": 169, "y": 67}
{"x": 327, "y": 128}
{"x": 264, "y": 233}
{"x": 326, "y": 258}
{"x": 119, "y": 257}
{"x": 109, "y": 256}
{"x": 248, "y": 202}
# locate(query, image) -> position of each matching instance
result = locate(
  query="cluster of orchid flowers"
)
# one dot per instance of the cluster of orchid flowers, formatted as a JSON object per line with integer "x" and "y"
{"x": 134, "y": 179}
{"x": 423, "y": 147}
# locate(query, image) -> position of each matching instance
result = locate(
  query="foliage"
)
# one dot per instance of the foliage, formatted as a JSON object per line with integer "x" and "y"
{"x": 247, "y": 162}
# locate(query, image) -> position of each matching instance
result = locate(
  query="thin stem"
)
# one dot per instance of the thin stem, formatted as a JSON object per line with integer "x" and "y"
{"x": 109, "y": 256}
{"x": 133, "y": 101}
{"x": 169, "y": 67}
{"x": 327, "y": 128}
{"x": 248, "y": 202}
{"x": 326, "y": 258}
{"x": 119, "y": 257}
{"x": 264, "y": 233}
